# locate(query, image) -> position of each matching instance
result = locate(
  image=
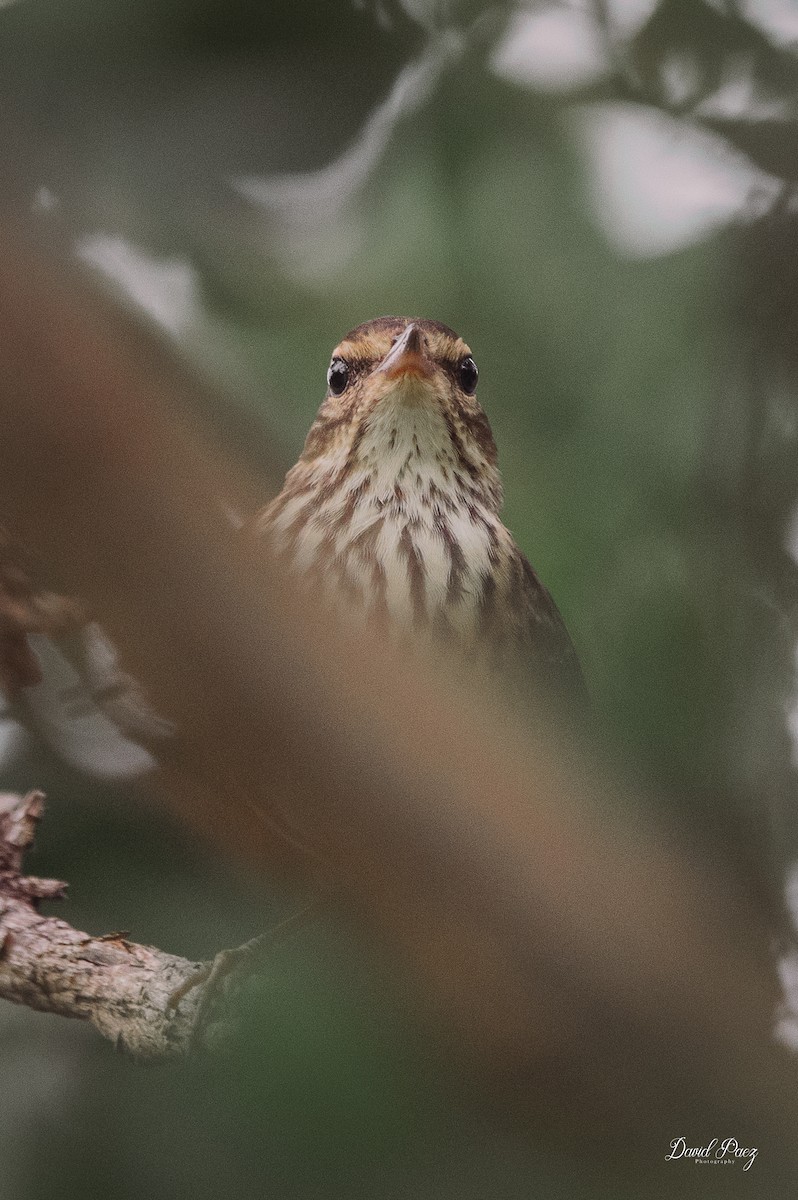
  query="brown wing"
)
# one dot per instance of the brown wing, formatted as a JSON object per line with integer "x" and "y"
{"x": 546, "y": 654}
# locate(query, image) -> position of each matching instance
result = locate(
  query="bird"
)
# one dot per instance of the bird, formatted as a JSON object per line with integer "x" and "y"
{"x": 392, "y": 512}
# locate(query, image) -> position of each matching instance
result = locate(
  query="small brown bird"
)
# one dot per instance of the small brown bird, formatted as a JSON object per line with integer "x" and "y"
{"x": 393, "y": 507}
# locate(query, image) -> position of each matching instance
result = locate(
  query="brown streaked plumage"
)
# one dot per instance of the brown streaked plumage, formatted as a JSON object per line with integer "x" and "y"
{"x": 393, "y": 506}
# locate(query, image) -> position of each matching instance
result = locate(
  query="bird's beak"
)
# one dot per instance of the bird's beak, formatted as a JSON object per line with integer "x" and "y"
{"x": 407, "y": 358}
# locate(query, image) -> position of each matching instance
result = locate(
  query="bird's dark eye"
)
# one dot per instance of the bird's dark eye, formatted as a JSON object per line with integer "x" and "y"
{"x": 338, "y": 376}
{"x": 468, "y": 375}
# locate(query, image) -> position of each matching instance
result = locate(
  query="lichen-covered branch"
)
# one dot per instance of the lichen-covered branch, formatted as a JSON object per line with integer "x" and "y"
{"x": 138, "y": 997}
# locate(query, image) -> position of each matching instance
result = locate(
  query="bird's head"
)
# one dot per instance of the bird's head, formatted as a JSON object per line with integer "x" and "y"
{"x": 401, "y": 399}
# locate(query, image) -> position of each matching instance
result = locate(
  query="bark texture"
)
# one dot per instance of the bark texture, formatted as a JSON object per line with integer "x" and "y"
{"x": 136, "y": 996}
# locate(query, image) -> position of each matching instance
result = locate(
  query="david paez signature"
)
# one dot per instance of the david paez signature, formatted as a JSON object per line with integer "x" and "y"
{"x": 727, "y": 1151}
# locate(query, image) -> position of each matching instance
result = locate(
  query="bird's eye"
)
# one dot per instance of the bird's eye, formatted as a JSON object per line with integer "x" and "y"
{"x": 468, "y": 375}
{"x": 338, "y": 376}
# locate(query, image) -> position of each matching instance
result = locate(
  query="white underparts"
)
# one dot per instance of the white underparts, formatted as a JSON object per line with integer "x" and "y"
{"x": 396, "y": 525}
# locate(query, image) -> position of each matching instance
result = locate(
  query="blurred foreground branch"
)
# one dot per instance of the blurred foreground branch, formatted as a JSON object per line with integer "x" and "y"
{"x": 488, "y": 855}
{"x": 138, "y": 997}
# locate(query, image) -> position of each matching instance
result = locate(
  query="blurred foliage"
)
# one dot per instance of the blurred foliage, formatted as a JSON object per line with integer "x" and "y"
{"x": 644, "y": 408}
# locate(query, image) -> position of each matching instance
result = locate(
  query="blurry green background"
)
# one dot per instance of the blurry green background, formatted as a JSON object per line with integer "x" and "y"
{"x": 601, "y": 200}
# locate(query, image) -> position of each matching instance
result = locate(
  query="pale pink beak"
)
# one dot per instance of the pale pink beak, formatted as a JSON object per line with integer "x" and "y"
{"x": 408, "y": 357}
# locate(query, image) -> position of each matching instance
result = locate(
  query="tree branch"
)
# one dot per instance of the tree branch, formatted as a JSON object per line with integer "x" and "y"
{"x": 138, "y": 997}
